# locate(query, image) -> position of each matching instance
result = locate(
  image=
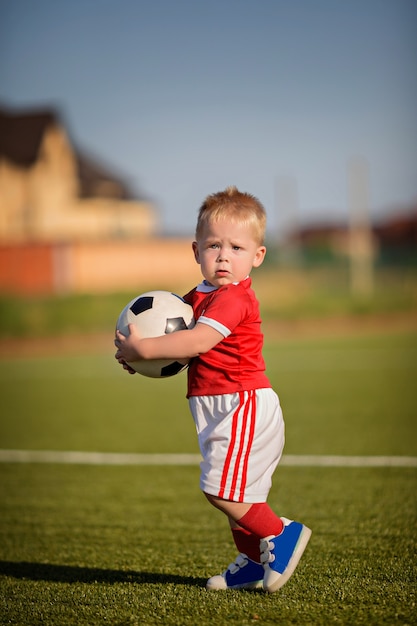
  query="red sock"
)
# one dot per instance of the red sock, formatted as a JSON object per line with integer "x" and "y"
{"x": 261, "y": 521}
{"x": 247, "y": 543}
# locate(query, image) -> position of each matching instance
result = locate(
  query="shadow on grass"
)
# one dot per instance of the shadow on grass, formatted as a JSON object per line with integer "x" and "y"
{"x": 75, "y": 574}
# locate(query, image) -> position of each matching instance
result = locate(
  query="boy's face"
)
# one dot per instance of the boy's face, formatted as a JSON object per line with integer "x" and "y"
{"x": 227, "y": 252}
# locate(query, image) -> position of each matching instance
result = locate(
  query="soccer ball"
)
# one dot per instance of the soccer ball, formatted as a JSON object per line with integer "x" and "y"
{"x": 156, "y": 313}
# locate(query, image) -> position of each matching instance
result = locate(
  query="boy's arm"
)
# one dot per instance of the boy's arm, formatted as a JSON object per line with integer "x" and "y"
{"x": 182, "y": 344}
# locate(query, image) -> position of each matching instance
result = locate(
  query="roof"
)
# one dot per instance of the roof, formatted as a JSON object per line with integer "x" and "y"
{"x": 21, "y": 135}
{"x": 97, "y": 181}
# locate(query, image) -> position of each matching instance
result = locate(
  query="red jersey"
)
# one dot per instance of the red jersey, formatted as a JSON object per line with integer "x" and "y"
{"x": 236, "y": 362}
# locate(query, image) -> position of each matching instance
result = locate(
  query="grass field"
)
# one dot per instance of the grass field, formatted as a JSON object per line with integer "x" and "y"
{"x": 127, "y": 545}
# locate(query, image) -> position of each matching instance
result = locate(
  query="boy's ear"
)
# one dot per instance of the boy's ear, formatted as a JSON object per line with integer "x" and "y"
{"x": 195, "y": 250}
{"x": 259, "y": 256}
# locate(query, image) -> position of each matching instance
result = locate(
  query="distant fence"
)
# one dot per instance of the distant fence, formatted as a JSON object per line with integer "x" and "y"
{"x": 32, "y": 269}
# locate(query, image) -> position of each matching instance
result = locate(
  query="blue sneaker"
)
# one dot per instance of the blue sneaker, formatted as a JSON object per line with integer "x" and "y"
{"x": 280, "y": 554}
{"x": 242, "y": 574}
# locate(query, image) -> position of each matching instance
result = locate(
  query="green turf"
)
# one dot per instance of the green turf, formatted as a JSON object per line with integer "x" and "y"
{"x": 119, "y": 545}
{"x": 353, "y": 395}
{"x": 134, "y": 545}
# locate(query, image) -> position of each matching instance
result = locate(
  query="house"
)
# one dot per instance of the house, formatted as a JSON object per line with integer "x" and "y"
{"x": 50, "y": 191}
{"x": 68, "y": 225}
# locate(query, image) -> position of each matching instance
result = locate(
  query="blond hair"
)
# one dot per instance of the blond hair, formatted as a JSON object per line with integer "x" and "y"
{"x": 235, "y": 206}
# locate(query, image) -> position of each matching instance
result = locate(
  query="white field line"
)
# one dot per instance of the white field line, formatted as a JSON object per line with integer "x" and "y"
{"x": 112, "y": 458}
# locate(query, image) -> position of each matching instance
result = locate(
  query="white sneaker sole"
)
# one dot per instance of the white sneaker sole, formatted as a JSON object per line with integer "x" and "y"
{"x": 273, "y": 580}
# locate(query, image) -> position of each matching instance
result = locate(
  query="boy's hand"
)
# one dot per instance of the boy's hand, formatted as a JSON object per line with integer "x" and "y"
{"x": 126, "y": 350}
{"x": 127, "y": 367}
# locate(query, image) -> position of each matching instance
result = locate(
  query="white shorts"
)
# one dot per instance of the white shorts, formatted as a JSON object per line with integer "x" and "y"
{"x": 241, "y": 438}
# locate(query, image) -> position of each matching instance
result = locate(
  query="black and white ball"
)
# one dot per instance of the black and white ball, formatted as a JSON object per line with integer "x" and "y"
{"x": 157, "y": 313}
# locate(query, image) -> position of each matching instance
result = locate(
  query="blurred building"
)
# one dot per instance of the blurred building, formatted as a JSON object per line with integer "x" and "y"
{"x": 50, "y": 191}
{"x": 392, "y": 239}
{"x": 69, "y": 224}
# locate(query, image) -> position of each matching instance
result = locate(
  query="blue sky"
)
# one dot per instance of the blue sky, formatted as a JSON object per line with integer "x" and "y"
{"x": 186, "y": 97}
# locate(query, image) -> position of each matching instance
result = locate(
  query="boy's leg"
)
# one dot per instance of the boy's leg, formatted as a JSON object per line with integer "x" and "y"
{"x": 262, "y": 536}
{"x": 258, "y": 519}
{"x": 246, "y": 572}
{"x": 247, "y": 543}
{"x": 258, "y": 522}
{"x": 261, "y": 520}
{"x": 282, "y": 545}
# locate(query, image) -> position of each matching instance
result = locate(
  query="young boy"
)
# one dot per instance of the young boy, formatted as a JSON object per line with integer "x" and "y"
{"x": 237, "y": 414}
